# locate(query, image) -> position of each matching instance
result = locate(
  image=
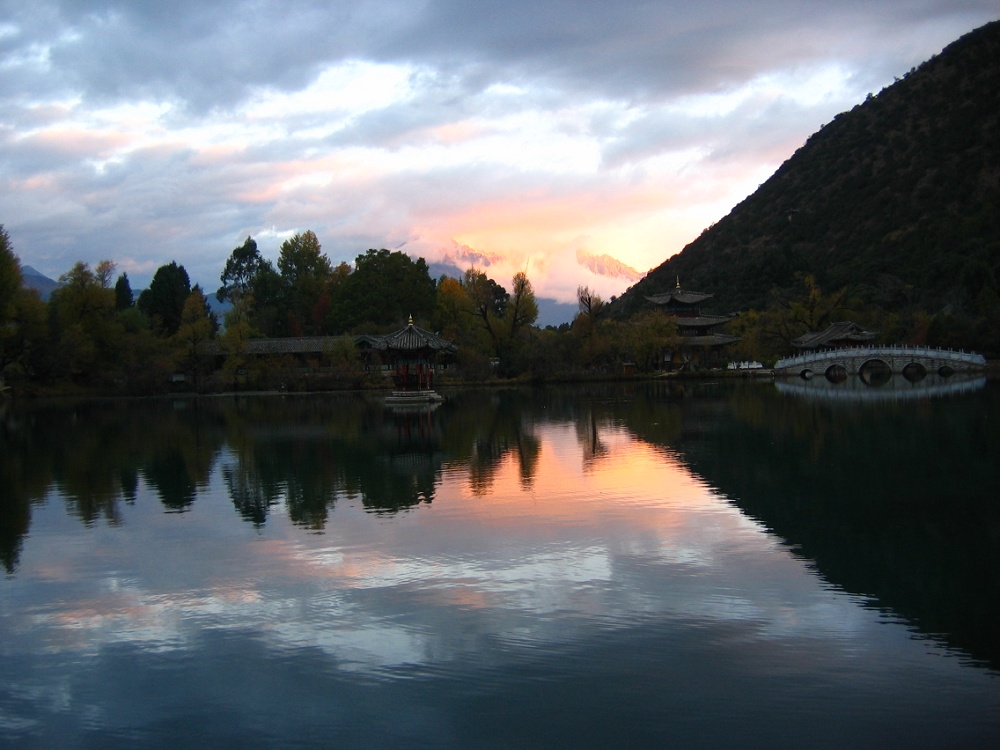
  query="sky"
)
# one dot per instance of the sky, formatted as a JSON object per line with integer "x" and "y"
{"x": 563, "y": 138}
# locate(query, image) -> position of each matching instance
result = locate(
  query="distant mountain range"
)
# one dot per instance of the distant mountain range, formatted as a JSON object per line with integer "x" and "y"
{"x": 605, "y": 265}
{"x": 35, "y": 280}
{"x": 550, "y": 312}
{"x": 897, "y": 200}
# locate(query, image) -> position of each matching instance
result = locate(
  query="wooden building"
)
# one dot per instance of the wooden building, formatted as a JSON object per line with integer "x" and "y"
{"x": 411, "y": 355}
{"x": 836, "y": 336}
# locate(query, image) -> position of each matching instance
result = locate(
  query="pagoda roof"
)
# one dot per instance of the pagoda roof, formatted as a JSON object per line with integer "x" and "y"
{"x": 702, "y": 321}
{"x": 683, "y": 296}
{"x": 711, "y": 339}
{"x": 411, "y": 339}
{"x": 844, "y": 332}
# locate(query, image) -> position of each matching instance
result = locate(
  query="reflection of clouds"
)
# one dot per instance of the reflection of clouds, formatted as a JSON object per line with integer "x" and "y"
{"x": 593, "y": 543}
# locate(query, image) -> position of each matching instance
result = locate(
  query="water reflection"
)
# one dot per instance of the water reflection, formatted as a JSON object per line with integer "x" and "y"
{"x": 892, "y": 501}
{"x": 572, "y": 565}
{"x": 888, "y": 387}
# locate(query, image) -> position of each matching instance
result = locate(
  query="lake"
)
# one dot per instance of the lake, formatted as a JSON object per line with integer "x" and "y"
{"x": 653, "y": 565}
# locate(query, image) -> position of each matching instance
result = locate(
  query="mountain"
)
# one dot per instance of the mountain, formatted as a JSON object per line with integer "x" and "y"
{"x": 897, "y": 200}
{"x": 35, "y": 280}
{"x": 605, "y": 265}
{"x": 551, "y": 312}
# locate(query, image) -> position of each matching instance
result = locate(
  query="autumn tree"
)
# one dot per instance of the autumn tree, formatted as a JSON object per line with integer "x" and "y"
{"x": 807, "y": 309}
{"x": 452, "y": 309}
{"x": 522, "y": 308}
{"x": 647, "y": 336}
{"x": 234, "y": 342}
{"x": 195, "y": 330}
{"x": 590, "y": 310}
{"x": 81, "y": 315}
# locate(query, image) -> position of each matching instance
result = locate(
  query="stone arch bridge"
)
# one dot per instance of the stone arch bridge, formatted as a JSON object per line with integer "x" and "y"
{"x": 878, "y": 363}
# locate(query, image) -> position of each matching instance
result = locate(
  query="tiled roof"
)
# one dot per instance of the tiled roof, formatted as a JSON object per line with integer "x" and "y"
{"x": 409, "y": 339}
{"x": 844, "y": 332}
{"x": 701, "y": 321}
{"x": 712, "y": 339}
{"x": 682, "y": 296}
{"x": 412, "y": 338}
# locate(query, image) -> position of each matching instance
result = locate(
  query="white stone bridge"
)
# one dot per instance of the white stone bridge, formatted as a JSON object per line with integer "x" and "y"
{"x": 872, "y": 363}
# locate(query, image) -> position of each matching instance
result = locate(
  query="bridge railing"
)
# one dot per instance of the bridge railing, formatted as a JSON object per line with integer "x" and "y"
{"x": 896, "y": 350}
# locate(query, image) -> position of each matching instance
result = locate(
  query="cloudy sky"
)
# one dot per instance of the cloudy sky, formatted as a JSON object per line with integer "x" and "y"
{"x": 524, "y": 134}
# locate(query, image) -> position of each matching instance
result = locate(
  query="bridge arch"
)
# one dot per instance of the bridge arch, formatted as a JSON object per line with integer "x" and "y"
{"x": 879, "y": 362}
{"x": 875, "y": 371}
{"x": 836, "y": 373}
{"x": 914, "y": 372}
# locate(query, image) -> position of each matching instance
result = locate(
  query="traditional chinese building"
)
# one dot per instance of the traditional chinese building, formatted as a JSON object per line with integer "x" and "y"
{"x": 836, "y": 336}
{"x": 411, "y": 355}
{"x": 701, "y": 341}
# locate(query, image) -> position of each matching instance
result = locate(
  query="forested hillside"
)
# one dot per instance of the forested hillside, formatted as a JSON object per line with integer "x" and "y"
{"x": 897, "y": 201}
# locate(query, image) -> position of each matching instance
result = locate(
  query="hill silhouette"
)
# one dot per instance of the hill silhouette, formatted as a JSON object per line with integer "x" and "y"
{"x": 897, "y": 200}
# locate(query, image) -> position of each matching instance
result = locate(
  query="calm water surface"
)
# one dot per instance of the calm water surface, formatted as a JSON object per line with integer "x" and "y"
{"x": 652, "y": 566}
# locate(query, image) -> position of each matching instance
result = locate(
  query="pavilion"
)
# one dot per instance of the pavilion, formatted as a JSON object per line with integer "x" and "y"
{"x": 701, "y": 343}
{"x": 411, "y": 354}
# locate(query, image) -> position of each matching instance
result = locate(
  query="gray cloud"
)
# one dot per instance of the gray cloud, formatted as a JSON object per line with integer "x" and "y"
{"x": 211, "y": 55}
{"x": 611, "y": 73}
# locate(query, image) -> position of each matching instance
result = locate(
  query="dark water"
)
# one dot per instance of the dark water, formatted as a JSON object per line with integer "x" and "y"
{"x": 652, "y": 566}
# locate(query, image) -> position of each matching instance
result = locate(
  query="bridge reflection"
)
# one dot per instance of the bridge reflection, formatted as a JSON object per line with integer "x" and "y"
{"x": 894, "y": 388}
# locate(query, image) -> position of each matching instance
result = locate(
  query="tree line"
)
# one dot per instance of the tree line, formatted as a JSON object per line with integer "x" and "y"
{"x": 95, "y": 333}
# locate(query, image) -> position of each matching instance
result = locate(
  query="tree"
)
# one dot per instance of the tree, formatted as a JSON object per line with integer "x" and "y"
{"x": 234, "y": 341}
{"x": 10, "y": 277}
{"x": 103, "y": 272}
{"x": 163, "y": 302}
{"x": 522, "y": 307}
{"x": 384, "y": 289}
{"x": 305, "y": 272}
{"x": 452, "y": 309}
{"x": 648, "y": 334}
{"x": 591, "y": 309}
{"x": 807, "y": 309}
{"x": 243, "y": 265}
{"x": 196, "y": 328}
{"x": 81, "y": 313}
{"x": 488, "y": 303}
{"x": 301, "y": 258}
{"x": 124, "y": 299}
{"x": 23, "y": 340}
